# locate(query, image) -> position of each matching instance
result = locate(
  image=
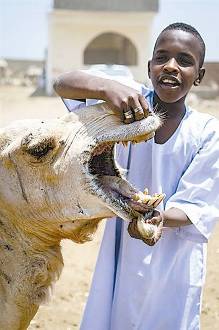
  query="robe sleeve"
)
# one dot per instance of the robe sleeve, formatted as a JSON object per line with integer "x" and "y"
{"x": 197, "y": 193}
{"x": 72, "y": 105}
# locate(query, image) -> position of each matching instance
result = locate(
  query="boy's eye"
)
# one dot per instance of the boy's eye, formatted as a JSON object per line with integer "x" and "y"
{"x": 185, "y": 61}
{"x": 160, "y": 58}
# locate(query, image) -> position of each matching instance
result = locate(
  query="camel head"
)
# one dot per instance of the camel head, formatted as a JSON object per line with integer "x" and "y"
{"x": 59, "y": 178}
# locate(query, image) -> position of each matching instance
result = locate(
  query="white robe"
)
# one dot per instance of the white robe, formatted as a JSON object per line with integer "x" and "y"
{"x": 138, "y": 287}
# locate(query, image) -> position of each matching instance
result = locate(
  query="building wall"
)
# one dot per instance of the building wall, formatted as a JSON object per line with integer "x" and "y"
{"x": 108, "y": 5}
{"x": 111, "y": 48}
{"x": 71, "y": 31}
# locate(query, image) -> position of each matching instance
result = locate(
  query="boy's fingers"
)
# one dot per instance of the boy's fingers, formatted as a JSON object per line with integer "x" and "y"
{"x": 116, "y": 109}
{"x": 133, "y": 108}
{"x": 144, "y": 105}
{"x": 128, "y": 116}
{"x": 136, "y": 107}
{"x": 133, "y": 229}
{"x": 138, "y": 113}
{"x": 155, "y": 221}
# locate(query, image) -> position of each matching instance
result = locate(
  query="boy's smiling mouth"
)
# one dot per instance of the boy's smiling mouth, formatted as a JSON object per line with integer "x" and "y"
{"x": 169, "y": 81}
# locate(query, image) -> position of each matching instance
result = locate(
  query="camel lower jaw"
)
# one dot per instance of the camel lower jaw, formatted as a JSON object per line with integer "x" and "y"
{"x": 117, "y": 194}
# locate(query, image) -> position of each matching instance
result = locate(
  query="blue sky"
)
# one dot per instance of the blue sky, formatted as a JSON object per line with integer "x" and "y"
{"x": 23, "y": 25}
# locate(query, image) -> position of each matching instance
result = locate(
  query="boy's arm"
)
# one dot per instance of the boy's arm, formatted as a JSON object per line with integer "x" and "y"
{"x": 79, "y": 85}
{"x": 174, "y": 217}
{"x": 82, "y": 85}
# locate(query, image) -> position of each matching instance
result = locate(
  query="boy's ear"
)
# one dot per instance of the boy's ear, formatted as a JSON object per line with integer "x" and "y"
{"x": 200, "y": 76}
{"x": 149, "y": 69}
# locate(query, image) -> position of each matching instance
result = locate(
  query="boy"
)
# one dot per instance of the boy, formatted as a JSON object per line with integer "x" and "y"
{"x": 143, "y": 287}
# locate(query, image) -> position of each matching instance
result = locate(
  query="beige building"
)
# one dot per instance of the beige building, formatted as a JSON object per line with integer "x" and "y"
{"x": 85, "y": 32}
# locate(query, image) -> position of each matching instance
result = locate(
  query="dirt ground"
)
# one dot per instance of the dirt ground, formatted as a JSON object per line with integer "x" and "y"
{"x": 64, "y": 310}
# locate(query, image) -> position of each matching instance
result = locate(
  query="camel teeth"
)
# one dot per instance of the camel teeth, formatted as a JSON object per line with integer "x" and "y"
{"x": 145, "y": 198}
{"x": 141, "y": 196}
{"x": 146, "y": 192}
{"x": 159, "y": 200}
{"x": 136, "y": 197}
{"x": 151, "y": 201}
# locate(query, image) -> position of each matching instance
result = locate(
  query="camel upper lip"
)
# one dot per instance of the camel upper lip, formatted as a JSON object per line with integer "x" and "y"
{"x": 137, "y": 131}
{"x": 99, "y": 156}
{"x": 166, "y": 78}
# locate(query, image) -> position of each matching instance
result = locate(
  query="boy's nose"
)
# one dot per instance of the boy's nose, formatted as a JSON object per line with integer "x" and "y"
{"x": 171, "y": 65}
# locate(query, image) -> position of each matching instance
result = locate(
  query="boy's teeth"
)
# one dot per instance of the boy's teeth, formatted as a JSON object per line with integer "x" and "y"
{"x": 168, "y": 81}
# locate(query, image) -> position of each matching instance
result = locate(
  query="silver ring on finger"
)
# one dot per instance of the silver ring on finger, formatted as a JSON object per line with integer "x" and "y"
{"x": 138, "y": 110}
{"x": 128, "y": 114}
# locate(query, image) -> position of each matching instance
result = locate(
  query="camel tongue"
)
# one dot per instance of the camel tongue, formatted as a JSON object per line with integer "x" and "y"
{"x": 118, "y": 185}
{"x": 139, "y": 207}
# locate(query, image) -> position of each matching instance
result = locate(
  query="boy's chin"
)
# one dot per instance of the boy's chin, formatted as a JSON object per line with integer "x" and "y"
{"x": 170, "y": 97}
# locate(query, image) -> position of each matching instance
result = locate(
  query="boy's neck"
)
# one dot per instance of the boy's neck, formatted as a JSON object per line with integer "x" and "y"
{"x": 169, "y": 110}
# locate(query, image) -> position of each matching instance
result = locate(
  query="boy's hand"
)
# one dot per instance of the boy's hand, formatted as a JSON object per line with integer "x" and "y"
{"x": 156, "y": 220}
{"x": 126, "y": 101}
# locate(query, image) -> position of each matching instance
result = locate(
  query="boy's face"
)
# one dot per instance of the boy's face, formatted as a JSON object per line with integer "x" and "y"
{"x": 174, "y": 67}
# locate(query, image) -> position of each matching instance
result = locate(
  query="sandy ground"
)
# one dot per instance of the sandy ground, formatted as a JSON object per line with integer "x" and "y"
{"x": 64, "y": 310}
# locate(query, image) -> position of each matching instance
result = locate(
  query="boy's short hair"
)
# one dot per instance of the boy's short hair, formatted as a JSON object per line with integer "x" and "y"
{"x": 190, "y": 29}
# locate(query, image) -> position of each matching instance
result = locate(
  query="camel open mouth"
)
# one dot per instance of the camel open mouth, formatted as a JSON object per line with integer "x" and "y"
{"x": 111, "y": 185}
{"x": 106, "y": 179}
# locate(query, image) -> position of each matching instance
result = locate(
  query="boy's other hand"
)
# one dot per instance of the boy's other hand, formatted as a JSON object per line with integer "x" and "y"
{"x": 156, "y": 220}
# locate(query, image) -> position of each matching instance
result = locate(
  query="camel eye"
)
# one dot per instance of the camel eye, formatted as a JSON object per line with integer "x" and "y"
{"x": 38, "y": 147}
{"x": 40, "y": 150}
